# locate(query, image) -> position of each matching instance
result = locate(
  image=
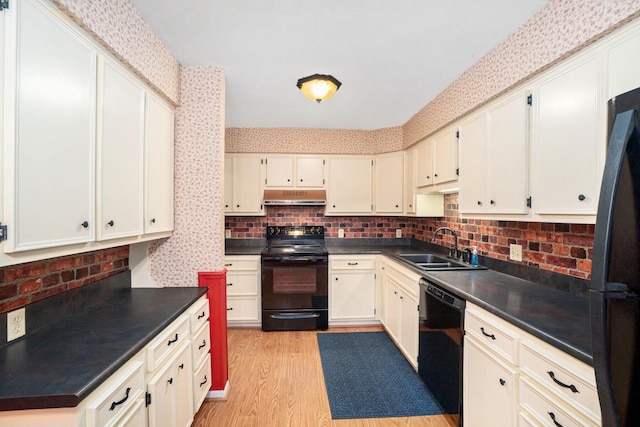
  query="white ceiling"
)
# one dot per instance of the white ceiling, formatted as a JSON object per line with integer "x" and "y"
{"x": 392, "y": 56}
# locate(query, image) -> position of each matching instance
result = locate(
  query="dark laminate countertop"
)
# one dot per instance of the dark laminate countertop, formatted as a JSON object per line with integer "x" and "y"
{"x": 59, "y": 365}
{"x": 557, "y": 317}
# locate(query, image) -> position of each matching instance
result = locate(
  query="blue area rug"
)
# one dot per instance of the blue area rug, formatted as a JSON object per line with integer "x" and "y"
{"x": 367, "y": 377}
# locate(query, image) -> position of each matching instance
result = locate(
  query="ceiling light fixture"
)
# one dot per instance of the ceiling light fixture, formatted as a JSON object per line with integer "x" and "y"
{"x": 318, "y": 87}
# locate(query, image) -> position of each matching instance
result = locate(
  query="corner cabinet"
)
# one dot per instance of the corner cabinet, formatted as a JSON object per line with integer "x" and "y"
{"x": 243, "y": 184}
{"x": 350, "y": 187}
{"x": 437, "y": 159}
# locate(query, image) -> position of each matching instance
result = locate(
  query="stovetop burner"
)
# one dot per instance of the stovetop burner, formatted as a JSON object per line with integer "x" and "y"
{"x": 295, "y": 240}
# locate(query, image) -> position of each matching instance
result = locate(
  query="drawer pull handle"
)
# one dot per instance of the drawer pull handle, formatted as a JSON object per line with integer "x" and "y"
{"x": 229, "y": 284}
{"x": 124, "y": 399}
{"x": 200, "y": 316}
{"x": 502, "y": 382}
{"x": 181, "y": 366}
{"x": 493, "y": 337}
{"x": 203, "y": 345}
{"x": 204, "y": 382}
{"x": 173, "y": 340}
{"x": 228, "y": 265}
{"x": 170, "y": 380}
{"x": 561, "y": 384}
{"x": 553, "y": 418}
{"x": 230, "y": 308}
{"x": 352, "y": 263}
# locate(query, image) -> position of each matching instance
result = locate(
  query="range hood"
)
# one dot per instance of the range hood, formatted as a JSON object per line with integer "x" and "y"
{"x": 295, "y": 197}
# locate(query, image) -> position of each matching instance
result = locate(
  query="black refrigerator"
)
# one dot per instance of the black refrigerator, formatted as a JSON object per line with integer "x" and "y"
{"x": 615, "y": 278}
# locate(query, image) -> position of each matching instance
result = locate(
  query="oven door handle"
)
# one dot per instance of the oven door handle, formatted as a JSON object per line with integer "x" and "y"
{"x": 297, "y": 259}
{"x": 288, "y": 316}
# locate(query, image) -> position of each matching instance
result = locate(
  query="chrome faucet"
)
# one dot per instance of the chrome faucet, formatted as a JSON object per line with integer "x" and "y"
{"x": 453, "y": 252}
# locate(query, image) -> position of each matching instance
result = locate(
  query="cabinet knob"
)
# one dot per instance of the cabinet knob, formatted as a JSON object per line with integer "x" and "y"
{"x": 226, "y": 206}
{"x": 153, "y": 220}
{"x": 502, "y": 382}
{"x": 237, "y": 206}
{"x": 428, "y": 177}
{"x": 288, "y": 180}
{"x": 581, "y": 197}
{"x": 230, "y": 308}
{"x": 111, "y": 223}
{"x": 336, "y": 279}
{"x": 410, "y": 206}
{"x": 170, "y": 380}
{"x": 334, "y": 206}
{"x": 396, "y": 206}
{"x": 229, "y": 284}
{"x": 300, "y": 179}
{"x": 479, "y": 203}
{"x": 493, "y": 202}
{"x": 85, "y": 224}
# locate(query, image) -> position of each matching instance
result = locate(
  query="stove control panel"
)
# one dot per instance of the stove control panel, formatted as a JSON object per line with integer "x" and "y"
{"x": 292, "y": 231}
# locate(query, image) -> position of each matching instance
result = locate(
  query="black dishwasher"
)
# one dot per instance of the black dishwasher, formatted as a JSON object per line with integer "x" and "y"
{"x": 440, "y": 346}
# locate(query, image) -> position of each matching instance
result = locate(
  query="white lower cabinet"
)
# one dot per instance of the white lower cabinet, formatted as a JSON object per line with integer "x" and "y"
{"x": 243, "y": 290}
{"x": 400, "y": 311}
{"x": 352, "y": 289}
{"x": 490, "y": 388}
{"x": 512, "y": 378}
{"x": 200, "y": 346}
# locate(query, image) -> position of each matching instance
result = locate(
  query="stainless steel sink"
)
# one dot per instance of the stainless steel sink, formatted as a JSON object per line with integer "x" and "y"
{"x": 432, "y": 262}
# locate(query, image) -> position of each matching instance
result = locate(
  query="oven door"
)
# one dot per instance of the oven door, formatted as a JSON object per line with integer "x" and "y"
{"x": 295, "y": 293}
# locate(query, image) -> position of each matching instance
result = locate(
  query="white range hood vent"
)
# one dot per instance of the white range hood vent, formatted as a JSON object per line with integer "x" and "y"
{"x": 295, "y": 197}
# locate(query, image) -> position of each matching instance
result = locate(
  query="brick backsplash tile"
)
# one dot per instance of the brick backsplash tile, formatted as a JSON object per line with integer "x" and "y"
{"x": 559, "y": 247}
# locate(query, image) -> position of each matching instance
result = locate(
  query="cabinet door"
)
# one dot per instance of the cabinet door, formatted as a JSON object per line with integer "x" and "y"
{"x": 161, "y": 389}
{"x": 424, "y": 164}
{"x": 623, "y": 64}
{"x": 473, "y": 165}
{"x": 279, "y": 171}
{"x": 50, "y": 160}
{"x": 352, "y": 296}
{"x": 310, "y": 172}
{"x": 183, "y": 390}
{"x": 120, "y": 153}
{"x": 446, "y": 157}
{"x": 350, "y": 185}
{"x": 507, "y": 152}
{"x": 568, "y": 133}
{"x": 247, "y": 185}
{"x": 389, "y": 179}
{"x": 410, "y": 182}
{"x": 159, "y": 166}
{"x": 409, "y": 320}
{"x": 228, "y": 184}
{"x": 490, "y": 389}
{"x": 391, "y": 308}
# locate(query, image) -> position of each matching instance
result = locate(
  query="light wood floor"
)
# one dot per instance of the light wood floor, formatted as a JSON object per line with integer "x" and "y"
{"x": 276, "y": 380}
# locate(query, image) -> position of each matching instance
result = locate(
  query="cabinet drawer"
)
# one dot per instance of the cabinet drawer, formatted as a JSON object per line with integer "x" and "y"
{"x": 200, "y": 345}
{"x": 242, "y": 283}
{"x": 546, "y": 409}
{"x": 108, "y": 407}
{"x": 352, "y": 263}
{"x": 242, "y": 263}
{"x": 545, "y": 363}
{"x": 135, "y": 417}
{"x": 201, "y": 383}
{"x": 198, "y": 314}
{"x": 243, "y": 309}
{"x": 495, "y": 333}
{"x": 165, "y": 344}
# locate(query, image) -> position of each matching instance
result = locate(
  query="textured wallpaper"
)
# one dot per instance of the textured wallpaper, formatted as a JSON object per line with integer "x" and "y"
{"x": 315, "y": 141}
{"x": 197, "y": 243}
{"x": 121, "y": 29}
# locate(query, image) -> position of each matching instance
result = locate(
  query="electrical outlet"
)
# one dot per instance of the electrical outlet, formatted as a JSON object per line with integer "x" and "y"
{"x": 16, "y": 324}
{"x": 227, "y": 234}
{"x": 515, "y": 252}
{"x": 398, "y": 232}
{"x": 340, "y": 232}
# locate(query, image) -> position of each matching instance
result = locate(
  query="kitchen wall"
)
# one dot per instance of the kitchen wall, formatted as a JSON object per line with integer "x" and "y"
{"x": 26, "y": 283}
{"x": 561, "y": 248}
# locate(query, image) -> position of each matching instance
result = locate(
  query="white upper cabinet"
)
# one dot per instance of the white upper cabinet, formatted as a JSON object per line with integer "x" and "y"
{"x": 494, "y": 158}
{"x": 49, "y": 195}
{"x": 389, "y": 178}
{"x": 121, "y": 102}
{"x": 410, "y": 182}
{"x": 350, "y": 189}
{"x": 437, "y": 159}
{"x": 568, "y": 139}
{"x": 246, "y": 184}
{"x": 301, "y": 171}
{"x": 310, "y": 171}
{"x": 623, "y": 62}
{"x": 159, "y": 133}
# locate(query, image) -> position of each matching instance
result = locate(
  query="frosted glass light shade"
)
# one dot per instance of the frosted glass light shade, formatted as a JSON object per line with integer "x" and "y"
{"x": 318, "y": 87}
